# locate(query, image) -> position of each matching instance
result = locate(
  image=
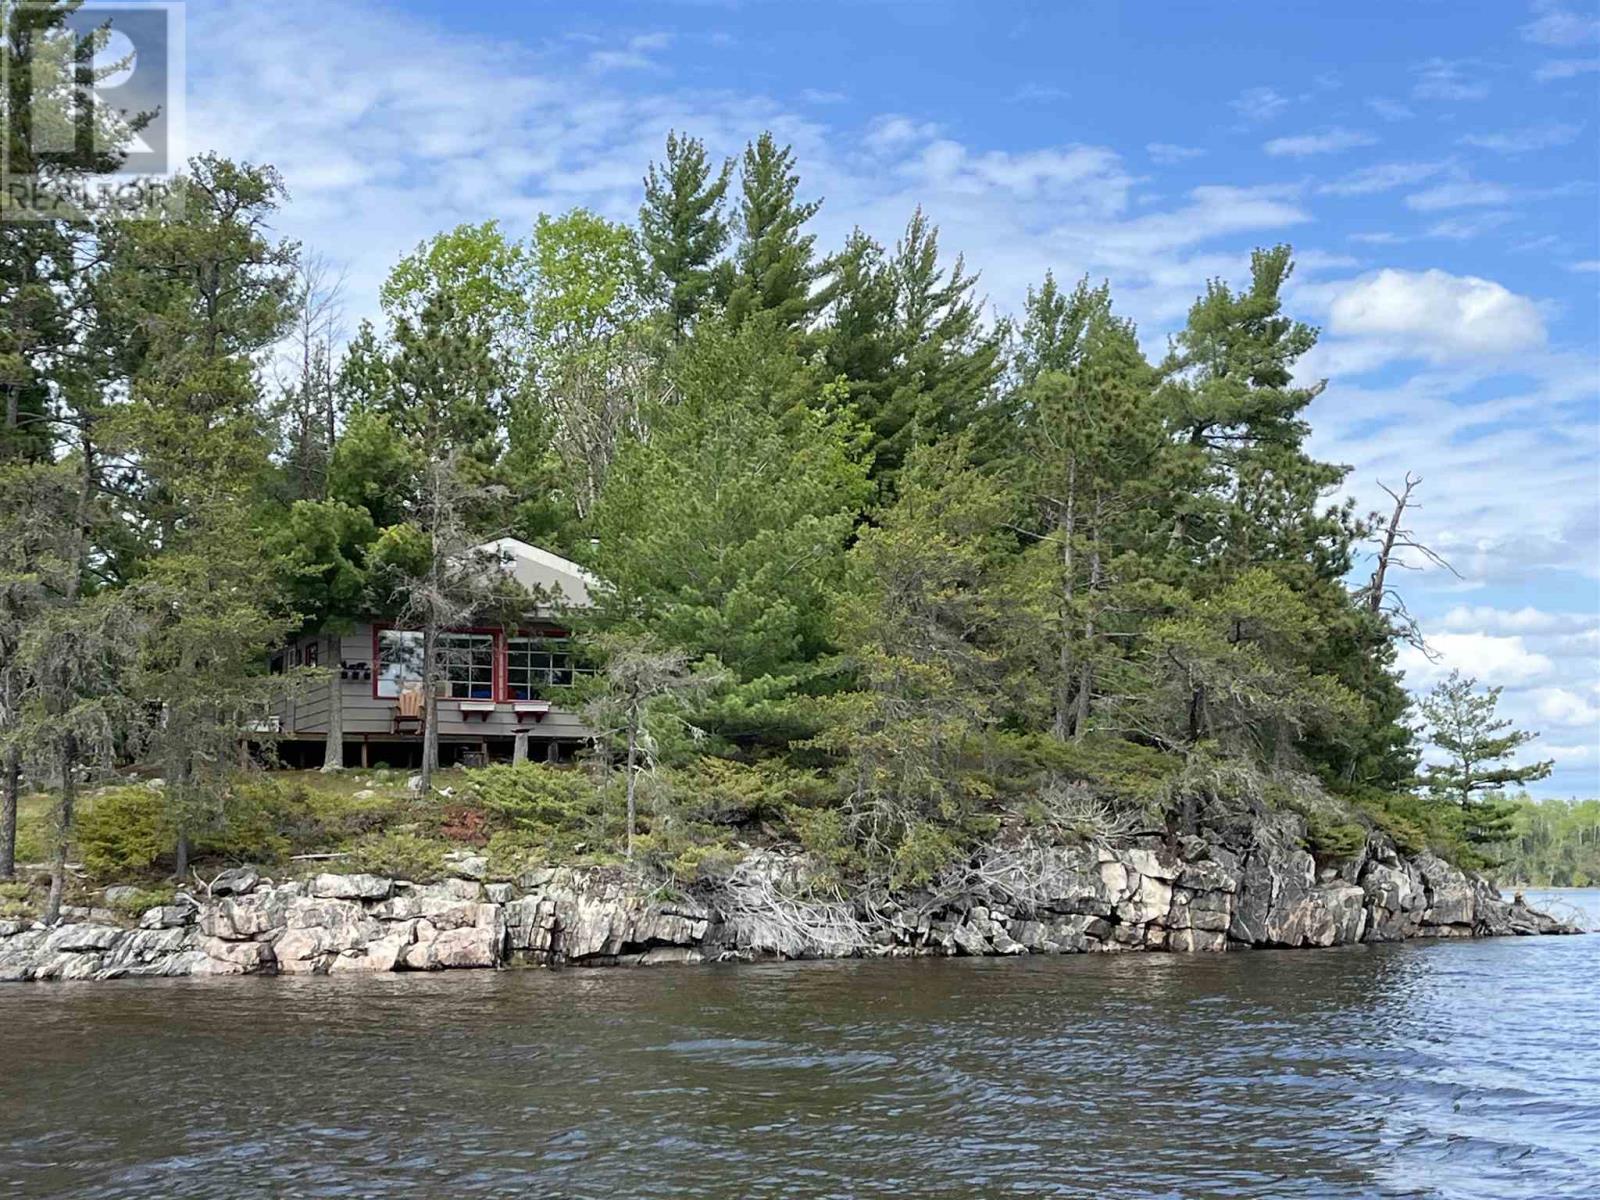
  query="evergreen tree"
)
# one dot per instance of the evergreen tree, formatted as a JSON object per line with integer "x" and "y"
{"x": 908, "y": 339}
{"x": 724, "y": 531}
{"x": 682, "y": 228}
{"x": 1090, "y": 441}
{"x": 774, "y": 267}
{"x": 1477, "y": 746}
{"x": 916, "y": 620}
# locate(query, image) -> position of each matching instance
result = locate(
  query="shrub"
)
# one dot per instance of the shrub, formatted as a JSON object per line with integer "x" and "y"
{"x": 398, "y": 855}
{"x": 17, "y": 902}
{"x": 545, "y": 806}
{"x": 721, "y": 791}
{"x": 125, "y": 830}
{"x": 142, "y": 901}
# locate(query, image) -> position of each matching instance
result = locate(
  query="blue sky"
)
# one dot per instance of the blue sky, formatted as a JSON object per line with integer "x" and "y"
{"x": 1434, "y": 164}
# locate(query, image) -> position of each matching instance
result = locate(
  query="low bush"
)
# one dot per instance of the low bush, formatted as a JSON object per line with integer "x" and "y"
{"x": 18, "y": 902}
{"x": 401, "y": 854}
{"x": 124, "y": 831}
{"x": 139, "y": 902}
{"x": 560, "y": 811}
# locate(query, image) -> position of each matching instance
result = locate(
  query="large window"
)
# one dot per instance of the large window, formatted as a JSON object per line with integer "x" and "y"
{"x": 399, "y": 660}
{"x": 467, "y": 662}
{"x": 534, "y": 665}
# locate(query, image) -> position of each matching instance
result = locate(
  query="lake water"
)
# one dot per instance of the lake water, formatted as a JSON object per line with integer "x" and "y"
{"x": 1441, "y": 1070}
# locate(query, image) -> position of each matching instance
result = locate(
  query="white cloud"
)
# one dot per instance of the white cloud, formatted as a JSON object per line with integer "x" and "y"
{"x": 1462, "y": 193}
{"x": 635, "y": 55}
{"x": 1443, "y": 79}
{"x": 1381, "y": 178}
{"x": 1566, "y": 68}
{"x": 1329, "y": 141}
{"x": 893, "y": 131}
{"x": 1436, "y": 315}
{"x": 1488, "y": 619}
{"x": 1557, "y": 25}
{"x": 1466, "y": 227}
{"x": 1498, "y": 661}
{"x": 1259, "y": 103}
{"x": 1561, "y": 706}
{"x": 1167, "y": 153}
{"x": 1390, "y": 110}
{"x": 1523, "y": 141}
{"x": 822, "y": 96}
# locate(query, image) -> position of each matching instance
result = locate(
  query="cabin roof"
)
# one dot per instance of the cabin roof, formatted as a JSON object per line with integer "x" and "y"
{"x": 537, "y": 569}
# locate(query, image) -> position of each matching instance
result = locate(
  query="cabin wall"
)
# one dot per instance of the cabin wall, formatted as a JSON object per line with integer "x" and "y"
{"x": 305, "y": 714}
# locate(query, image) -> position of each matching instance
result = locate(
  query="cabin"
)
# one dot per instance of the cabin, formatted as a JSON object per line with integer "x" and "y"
{"x": 496, "y": 689}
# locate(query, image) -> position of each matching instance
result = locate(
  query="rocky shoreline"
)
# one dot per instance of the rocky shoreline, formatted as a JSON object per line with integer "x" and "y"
{"x": 1252, "y": 887}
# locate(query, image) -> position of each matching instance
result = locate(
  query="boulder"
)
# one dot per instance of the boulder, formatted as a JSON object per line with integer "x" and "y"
{"x": 73, "y": 939}
{"x": 238, "y": 881}
{"x": 351, "y": 887}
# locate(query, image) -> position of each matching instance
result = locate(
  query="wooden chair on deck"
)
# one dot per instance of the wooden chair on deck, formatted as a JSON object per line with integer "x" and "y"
{"x": 408, "y": 710}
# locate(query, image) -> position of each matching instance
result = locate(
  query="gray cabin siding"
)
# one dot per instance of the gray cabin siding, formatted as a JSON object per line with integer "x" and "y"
{"x": 305, "y": 714}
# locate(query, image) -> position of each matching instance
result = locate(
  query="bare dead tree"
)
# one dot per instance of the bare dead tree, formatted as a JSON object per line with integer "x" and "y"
{"x": 308, "y": 400}
{"x": 1394, "y": 538}
{"x": 640, "y": 677}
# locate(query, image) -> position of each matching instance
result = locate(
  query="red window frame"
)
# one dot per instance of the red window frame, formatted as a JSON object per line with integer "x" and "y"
{"x": 502, "y": 684}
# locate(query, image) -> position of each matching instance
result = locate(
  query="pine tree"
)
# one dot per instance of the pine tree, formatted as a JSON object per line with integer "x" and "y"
{"x": 1090, "y": 440}
{"x": 907, "y": 336}
{"x": 1249, "y": 494}
{"x": 682, "y": 228}
{"x": 774, "y": 268}
{"x": 1477, "y": 747}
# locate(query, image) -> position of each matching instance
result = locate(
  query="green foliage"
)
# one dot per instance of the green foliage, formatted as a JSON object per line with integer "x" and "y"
{"x": 554, "y": 809}
{"x": 18, "y": 902}
{"x": 398, "y": 854}
{"x": 142, "y": 901}
{"x": 724, "y": 534}
{"x": 682, "y": 227}
{"x": 126, "y": 831}
{"x": 1477, "y": 746}
{"x": 1551, "y": 843}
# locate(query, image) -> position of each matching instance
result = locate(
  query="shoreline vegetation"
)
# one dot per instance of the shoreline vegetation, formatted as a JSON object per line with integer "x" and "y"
{"x": 885, "y": 582}
{"x": 1243, "y": 881}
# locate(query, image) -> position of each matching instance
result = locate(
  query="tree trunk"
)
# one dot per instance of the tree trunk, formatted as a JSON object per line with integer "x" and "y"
{"x": 64, "y": 811}
{"x": 1086, "y": 671}
{"x": 10, "y": 791}
{"x": 180, "y": 855}
{"x": 633, "y": 752}
{"x": 1066, "y": 530}
{"x": 430, "y": 703}
{"x": 333, "y": 751}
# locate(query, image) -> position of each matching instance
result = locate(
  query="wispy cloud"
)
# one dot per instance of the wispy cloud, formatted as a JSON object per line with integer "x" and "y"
{"x": 1525, "y": 140}
{"x": 1390, "y": 110}
{"x": 1445, "y": 79}
{"x": 1462, "y": 193}
{"x": 1566, "y": 68}
{"x": 1383, "y": 177}
{"x": 1259, "y": 103}
{"x": 1557, "y": 25}
{"x": 1329, "y": 141}
{"x": 638, "y": 53}
{"x": 1167, "y": 153}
